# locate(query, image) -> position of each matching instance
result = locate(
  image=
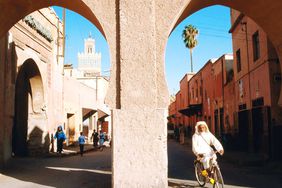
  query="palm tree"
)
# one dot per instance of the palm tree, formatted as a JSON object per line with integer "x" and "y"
{"x": 189, "y": 37}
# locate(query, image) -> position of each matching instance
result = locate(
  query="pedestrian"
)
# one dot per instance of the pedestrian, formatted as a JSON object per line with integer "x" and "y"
{"x": 204, "y": 146}
{"x": 181, "y": 134}
{"x": 61, "y": 137}
{"x": 81, "y": 141}
{"x": 101, "y": 138}
{"x": 95, "y": 137}
{"x": 176, "y": 133}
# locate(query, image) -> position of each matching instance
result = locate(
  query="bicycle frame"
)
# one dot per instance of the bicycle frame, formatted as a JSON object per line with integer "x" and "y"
{"x": 217, "y": 176}
{"x": 215, "y": 173}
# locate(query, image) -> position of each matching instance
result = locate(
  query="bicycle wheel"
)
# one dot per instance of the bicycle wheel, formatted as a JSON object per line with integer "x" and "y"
{"x": 198, "y": 172}
{"x": 219, "y": 183}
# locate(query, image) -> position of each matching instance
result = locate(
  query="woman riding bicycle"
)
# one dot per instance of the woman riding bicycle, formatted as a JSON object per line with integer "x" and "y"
{"x": 202, "y": 145}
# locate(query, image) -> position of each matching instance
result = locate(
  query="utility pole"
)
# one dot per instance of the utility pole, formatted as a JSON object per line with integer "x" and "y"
{"x": 64, "y": 37}
{"x": 63, "y": 70}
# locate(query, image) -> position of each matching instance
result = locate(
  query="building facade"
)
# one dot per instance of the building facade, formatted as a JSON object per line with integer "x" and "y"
{"x": 88, "y": 75}
{"x": 201, "y": 95}
{"x": 239, "y": 98}
{"x": 39, "y": 96}
{"x": 257, "y": 85}
{"x": 33, "y": 54}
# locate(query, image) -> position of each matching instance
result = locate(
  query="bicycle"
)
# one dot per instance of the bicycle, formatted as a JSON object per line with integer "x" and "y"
{"x": 215, "y": 174}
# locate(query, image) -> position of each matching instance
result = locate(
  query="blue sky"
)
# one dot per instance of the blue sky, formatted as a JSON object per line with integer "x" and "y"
{"x": 214, "y": 40}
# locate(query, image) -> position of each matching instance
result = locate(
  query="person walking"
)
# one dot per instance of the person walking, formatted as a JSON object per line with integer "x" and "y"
{"x": 95, "y": 137}
{"x": 204, "y": 146}
{"x": 61, "y": 137}
{"x": 101, "y": 139}
{"x": 81, "y": 141}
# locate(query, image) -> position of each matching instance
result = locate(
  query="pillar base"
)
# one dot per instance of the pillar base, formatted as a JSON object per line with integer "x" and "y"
{"x": 140, "y": 148}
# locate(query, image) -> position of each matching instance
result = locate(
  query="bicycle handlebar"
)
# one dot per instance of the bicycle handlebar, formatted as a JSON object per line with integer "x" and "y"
{"x": 215, "y": 152}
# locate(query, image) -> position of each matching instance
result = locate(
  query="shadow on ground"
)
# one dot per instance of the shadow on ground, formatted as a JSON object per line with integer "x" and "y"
{"x": 91, "y": 170}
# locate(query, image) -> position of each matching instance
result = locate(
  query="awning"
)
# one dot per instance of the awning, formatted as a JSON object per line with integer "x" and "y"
{"x": 87, "y": 112}
{"x": 185, "y": 111}
{"x": 196, "y": 109}
{"x": 192, "y": 109}
{"x": 103, "y": 111}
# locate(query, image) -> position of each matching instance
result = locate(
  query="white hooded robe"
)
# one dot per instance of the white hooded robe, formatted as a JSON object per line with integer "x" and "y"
{"x": 201, "y": 144}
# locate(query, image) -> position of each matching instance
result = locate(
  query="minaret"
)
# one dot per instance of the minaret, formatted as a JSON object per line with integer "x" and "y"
{"x": 89, "y": 45}
{"x": 89, "y": 62}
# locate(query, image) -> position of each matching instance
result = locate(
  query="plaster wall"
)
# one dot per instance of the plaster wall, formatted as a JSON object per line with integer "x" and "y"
{"x": 135, "y": 140}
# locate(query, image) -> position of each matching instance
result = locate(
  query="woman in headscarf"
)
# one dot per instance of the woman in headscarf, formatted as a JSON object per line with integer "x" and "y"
{"x": 61, "y": 137}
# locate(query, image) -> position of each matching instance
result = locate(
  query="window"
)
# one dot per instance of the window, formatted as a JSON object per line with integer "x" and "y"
{"x": 89, "y": 50}
{"x": 238, "y": 58}
{"x": 256, "y": 49}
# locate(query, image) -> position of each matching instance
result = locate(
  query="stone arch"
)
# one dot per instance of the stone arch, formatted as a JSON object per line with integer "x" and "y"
{"x": 266, "y": 20}
{"x": 102, "y": 14}
{"x": 29, "y": 101}
{"x": 16, "y": 11}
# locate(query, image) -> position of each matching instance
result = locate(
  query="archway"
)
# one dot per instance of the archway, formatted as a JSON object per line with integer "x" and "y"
{"x": 258, "y": 114}
{"x": 20, "y": 9}
{"x": 251, "y": 9}
{"x": 101, "y": 14}
{"x": 46, "y": 54}
{"x": 29, "y": 101}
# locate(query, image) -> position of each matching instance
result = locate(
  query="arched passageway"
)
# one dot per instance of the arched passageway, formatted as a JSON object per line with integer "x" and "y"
{"x": 253, "y": 9}
{"x": 251, "y": 129}
{"x": 29, "y": 101}
{"x": 239, "y": 111}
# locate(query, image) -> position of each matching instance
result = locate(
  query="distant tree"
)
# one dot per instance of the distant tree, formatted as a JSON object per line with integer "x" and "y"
{"x": 189, "y": 37}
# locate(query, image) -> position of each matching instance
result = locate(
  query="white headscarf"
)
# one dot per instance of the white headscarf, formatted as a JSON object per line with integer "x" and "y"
{"x": 201, "y": 123}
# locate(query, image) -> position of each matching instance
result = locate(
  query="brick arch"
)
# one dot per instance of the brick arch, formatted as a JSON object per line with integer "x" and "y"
{"x": 266, "y": 15}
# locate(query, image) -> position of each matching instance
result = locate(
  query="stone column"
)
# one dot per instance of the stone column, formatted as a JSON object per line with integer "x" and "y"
{"x": 91, "y": 127}
{"x": 6, "y": 101}
{"x": 3, "y": 44}
{"x": 139, "y": 148}
{"x": 139, "y": 131}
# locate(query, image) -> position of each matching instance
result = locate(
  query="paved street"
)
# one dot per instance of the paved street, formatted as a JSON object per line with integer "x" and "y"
{"x": 181, "y": 171}
{"x": 94, "y": 170}
{"x": 91, "y": 170}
